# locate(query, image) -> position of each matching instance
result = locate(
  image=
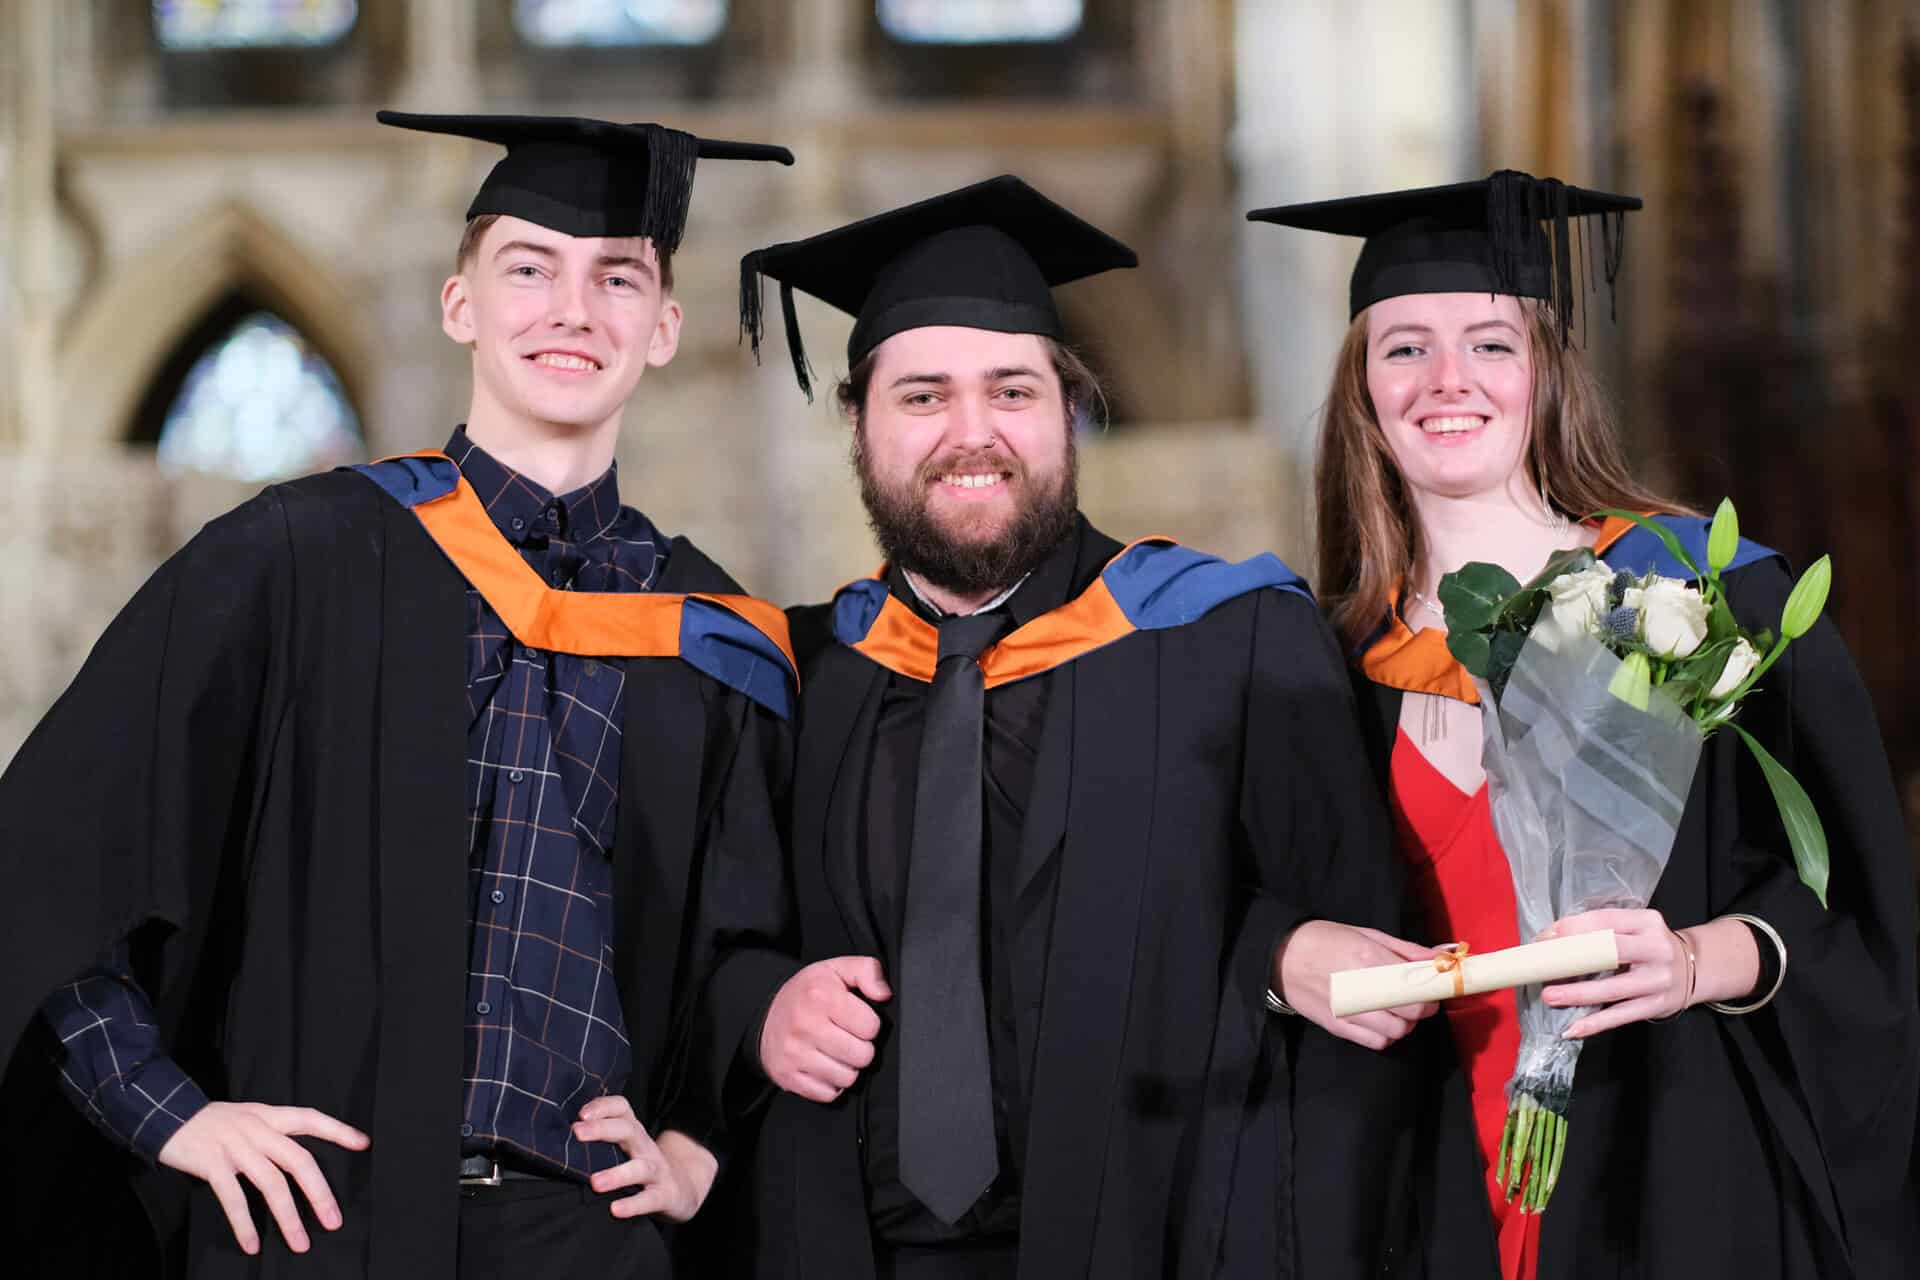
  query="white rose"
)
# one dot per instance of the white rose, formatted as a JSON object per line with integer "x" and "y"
{"x": 1740, "y": 664}
{"x": 1673, "y": 617}
{"x": 1578, "y": 600}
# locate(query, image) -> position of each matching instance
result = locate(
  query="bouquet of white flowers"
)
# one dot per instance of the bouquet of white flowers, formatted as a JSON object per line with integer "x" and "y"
{"x": 1599, "y": 689}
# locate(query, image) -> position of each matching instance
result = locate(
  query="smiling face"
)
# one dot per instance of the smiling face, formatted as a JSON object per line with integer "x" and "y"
{"x": 965, "y": 455}
{"x": 561, "y": 327}
{"x": 1450, "y": 376}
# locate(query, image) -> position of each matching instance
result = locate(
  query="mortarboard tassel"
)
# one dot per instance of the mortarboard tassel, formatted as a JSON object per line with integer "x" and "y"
{"x": 752, "y": 319}
{"x": 1613, "y": 238}
{"x": 1507, "y": 218}
{"x": 801, "y": 369}
{"x": 671, "y": 156}
{"x": 1555, "y": 193}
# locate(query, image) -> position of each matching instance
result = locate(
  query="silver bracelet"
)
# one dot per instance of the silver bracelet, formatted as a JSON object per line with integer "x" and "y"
{"x": 1755, "y": 922}
{"x": 1276, "y": 1005}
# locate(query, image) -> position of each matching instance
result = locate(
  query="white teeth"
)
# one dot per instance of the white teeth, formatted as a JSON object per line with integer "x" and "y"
{"x": 556, "y": 360}
{"x": 1449, "y": 426}
{"x": 972, "y": 481}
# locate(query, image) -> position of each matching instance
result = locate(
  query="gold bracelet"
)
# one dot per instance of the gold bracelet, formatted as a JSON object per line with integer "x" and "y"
{"x": 1693, "y": 973}
{"x": 1779, "y": 945}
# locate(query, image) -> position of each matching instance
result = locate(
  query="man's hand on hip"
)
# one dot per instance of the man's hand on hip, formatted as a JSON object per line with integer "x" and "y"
{"x": 227, "y": 1141}
{"x": 674, "y": 1174}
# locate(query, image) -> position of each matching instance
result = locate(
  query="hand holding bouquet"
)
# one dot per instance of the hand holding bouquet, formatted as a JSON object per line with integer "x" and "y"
{"x": 1598, "y": 690}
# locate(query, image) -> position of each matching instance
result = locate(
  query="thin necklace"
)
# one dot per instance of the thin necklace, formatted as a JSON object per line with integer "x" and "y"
{"x": 1426, "y": 602}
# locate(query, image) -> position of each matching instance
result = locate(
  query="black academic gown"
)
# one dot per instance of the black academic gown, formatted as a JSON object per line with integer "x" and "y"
{"x": 1773, "y": 1145}
{"x": 259, "y": 773}
{"x": 1199, "y": 792}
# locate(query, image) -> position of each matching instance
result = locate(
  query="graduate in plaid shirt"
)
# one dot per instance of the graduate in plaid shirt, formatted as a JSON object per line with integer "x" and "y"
{"x": 368, "y": 859}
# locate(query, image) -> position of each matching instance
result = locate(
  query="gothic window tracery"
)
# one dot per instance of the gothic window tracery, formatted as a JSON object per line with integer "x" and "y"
{"x": 183, "y": 26}
{"x": 618, "y": 23}
{"x": 259, "y": 403}
{"x": 980, "y": 21}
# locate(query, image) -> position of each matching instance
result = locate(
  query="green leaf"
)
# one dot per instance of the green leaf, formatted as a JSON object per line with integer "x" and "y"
{"x": 1660, "y": 531}
{"x": 1474, "y": 594}
{"x": 1724, "y": 538}
{"x": 1559, "y": 564}
{"x": 1805, "y": 835}
{"x": 1704, "y": 665}
{"x": 1504, "y": 650}
{"x": 1721, "y": 624}
{"x": 1471, "y": 649}
{"x": 1522, "y": 608}
{"x": 1808, "y": 599}
{"x": 1633, "y": 682}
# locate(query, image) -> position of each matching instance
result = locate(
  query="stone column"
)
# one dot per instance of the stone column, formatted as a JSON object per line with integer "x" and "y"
{"x": 1333, "y": 100}
{"x": 34, "y": 300}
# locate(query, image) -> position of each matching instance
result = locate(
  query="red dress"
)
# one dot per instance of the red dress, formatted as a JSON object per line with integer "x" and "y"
{"x": 1464, "y": 883}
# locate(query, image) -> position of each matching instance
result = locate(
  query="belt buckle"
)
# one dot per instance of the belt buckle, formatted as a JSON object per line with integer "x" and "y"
{"x": 489, "y": 1179}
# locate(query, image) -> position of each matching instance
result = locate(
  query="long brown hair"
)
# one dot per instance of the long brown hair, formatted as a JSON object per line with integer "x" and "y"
{"x": 1369, "y": 539}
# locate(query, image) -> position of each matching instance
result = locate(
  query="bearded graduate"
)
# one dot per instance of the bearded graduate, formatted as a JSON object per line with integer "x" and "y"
{"x": 1071, "y": 820}
{"x": 366, "y": 857}
{"x": 1745, "y": 1100}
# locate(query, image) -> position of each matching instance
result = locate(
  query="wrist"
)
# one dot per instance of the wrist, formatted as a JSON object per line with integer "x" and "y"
{"x": 1277, "y": 973}
{"x": 1729, "y": 962}
{"x": 697, "y": 1165}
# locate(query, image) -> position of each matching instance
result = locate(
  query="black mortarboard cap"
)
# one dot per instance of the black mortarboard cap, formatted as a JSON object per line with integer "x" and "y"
{"x": 1507, "y": 233}
{"x": 589, "y": 177}
{"x": 984, "y": 257}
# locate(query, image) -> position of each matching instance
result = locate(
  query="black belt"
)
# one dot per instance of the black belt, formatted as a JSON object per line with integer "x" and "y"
{"x": 486, "y": 1171}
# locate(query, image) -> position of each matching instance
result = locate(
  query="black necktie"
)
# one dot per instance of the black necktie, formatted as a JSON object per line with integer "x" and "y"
{"x": 947, "y": 1150}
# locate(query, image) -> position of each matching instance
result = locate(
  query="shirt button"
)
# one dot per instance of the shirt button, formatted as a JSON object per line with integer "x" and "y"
{"x": 483, "y": 1008}
{"x": 518, "y": 523}
{"x": 591, "y": 667}
{"x": 466, "y": 1131}
{"x": 516, "y": 776}
{"x": 498, "y": 896}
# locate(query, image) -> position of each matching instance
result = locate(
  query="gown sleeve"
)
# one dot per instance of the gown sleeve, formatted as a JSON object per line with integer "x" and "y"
{"x": 1320, "y": 1181}
{"x": 1836, "y": 1055}
{"x": 122, "y": 805}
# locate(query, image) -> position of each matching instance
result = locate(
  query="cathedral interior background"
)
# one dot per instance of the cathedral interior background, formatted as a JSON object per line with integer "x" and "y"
{"x": 217, "y": 271}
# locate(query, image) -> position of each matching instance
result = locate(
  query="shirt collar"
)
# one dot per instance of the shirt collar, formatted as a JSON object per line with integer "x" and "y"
{"x": 523, "y": 509}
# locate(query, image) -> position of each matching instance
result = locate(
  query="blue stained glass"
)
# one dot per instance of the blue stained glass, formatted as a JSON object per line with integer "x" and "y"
{"x": 980, "y": 21}
{"x": 189, "y": 25}
{"x": 261, "y": 405}
{"x": 564, "y": 24}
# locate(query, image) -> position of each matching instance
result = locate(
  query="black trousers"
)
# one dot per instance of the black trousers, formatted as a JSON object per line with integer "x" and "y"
{"x": 530, "y": 1228}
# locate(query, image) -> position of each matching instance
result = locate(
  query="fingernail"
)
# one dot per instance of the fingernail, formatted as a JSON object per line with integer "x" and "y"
{"x": 330, "y": 1219}
{"x": 300, "y": 1242}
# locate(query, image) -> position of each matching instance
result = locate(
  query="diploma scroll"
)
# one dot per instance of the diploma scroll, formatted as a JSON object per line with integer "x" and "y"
{"x": 1456, "y": 973}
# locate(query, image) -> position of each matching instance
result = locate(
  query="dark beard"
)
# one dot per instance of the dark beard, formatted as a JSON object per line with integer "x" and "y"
{"x": 911, "y": 538}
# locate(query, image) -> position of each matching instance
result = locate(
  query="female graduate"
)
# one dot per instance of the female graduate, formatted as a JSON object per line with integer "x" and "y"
{"x": 1745, "y": 1102}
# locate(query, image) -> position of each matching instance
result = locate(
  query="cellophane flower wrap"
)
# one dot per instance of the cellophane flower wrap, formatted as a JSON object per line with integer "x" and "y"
{"x": 1598, "y": 691}
{"x": 1586, "y": 793}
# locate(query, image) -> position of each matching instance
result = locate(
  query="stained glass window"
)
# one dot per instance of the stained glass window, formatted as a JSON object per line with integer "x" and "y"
{"x": 613, "y": 23}
{"x": 192, "y": 25}
{"x": 980, "y": 21}
{"x": 260, "y": 404}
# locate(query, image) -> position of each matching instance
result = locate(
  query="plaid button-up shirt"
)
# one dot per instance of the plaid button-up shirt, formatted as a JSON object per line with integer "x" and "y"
{"x": 544, "y": 1033}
